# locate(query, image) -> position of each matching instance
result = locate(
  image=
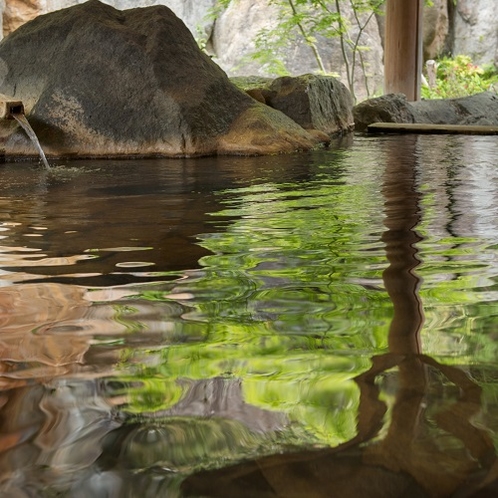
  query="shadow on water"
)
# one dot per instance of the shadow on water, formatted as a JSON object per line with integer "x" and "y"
{"x": 400, "y": 458}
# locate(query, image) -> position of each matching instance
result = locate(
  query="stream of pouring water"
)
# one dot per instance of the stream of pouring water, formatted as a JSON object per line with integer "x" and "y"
{"x": 21, "y": 119}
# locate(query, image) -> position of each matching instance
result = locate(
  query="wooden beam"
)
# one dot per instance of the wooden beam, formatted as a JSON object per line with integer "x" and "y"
{"x": 432, "y": 128}
{"x": 403, "y": 47}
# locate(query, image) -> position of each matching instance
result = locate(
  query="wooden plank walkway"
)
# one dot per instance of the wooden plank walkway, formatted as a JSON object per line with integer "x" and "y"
{"x": 432, "y": 128}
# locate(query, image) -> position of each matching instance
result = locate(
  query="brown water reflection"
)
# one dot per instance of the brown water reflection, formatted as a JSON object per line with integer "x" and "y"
{"x": 52, "y": 351}
{"x": 398, "y": 456}
{"x": 111, "y": 222}
{"x": 98, "y": 228}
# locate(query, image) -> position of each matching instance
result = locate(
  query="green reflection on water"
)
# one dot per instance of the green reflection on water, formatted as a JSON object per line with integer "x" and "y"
{"x": 292, "y": 301}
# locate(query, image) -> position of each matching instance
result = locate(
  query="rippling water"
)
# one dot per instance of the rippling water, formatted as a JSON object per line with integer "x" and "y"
{"x": 252, "y": 326}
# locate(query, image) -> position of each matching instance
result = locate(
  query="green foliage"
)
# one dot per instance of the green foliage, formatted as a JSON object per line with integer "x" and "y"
{"x": 459, "y": 77}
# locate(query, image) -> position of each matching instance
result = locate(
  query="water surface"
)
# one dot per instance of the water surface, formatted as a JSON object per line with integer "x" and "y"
{"x": 244, "y": 326}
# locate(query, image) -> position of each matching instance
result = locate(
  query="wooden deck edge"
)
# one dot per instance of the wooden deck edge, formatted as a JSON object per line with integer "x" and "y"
{"x": 432, "y": 128}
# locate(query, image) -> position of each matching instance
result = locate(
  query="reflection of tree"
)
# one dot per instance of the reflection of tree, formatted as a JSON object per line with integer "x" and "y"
{"x": 407, "y": 456}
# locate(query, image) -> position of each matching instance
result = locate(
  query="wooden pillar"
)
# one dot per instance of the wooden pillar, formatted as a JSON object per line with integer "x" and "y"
{"x": 403, "y": 47}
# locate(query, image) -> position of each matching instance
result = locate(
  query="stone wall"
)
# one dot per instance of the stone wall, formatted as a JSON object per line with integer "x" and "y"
{"x": 234, "y": 33}
{"x": 476, "y": 30}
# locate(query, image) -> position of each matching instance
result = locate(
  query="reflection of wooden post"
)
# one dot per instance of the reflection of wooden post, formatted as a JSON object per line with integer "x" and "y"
{"x": 402, "y": 211}
{"x": 403, "y": 48}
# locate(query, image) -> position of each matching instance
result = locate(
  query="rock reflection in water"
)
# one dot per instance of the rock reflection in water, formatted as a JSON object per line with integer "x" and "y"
{"x": 54, "y": 429}
{"x": 86, "y": 227}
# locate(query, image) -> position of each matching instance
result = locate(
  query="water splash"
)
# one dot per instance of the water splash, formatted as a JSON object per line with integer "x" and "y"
{"x": 22, "y": 120}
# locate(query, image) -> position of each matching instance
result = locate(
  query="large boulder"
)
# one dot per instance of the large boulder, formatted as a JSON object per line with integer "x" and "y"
{"x": 96, "y": 81}
{"x": 480, "y": 109}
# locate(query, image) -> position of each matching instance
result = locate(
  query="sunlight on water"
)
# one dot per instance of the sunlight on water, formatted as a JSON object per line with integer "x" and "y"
{"x": 163, "y": 317}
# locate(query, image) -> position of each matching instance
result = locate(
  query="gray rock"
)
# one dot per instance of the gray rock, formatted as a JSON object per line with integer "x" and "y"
{"x": 96, "y": 81}
{"x": 315, "y": 102}
{"x": 467, "y": 28}
{"x": 230, "y": 37}
{"x": 391, "y": 108}
{"x": 479, "y": 109}
{"x": 320, "y": 104}
{"x": 436, "y": 29}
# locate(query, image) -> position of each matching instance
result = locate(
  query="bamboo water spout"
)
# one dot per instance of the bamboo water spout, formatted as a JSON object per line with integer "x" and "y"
{"x": 9, "y": 107}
